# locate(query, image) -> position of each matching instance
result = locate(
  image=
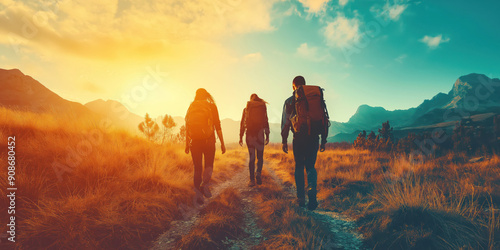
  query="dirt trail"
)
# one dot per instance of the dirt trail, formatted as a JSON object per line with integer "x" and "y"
{"x": 343, "y": 229}
{"x": 191, "y": 217}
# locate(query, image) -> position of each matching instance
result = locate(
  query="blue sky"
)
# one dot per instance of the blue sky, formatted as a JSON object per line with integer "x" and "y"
{"x": 392, "y": 54}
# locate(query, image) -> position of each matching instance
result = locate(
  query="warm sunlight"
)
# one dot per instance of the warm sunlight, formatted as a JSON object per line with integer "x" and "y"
{"x": 249, "y": 124}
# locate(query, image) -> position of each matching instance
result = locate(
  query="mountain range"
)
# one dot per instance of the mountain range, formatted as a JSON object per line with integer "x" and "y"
{"x": 473, "y": 95}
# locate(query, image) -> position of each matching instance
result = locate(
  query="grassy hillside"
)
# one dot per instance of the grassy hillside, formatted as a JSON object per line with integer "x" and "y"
{"x": 443, "y": 203}
{"x": 82, "y": 184}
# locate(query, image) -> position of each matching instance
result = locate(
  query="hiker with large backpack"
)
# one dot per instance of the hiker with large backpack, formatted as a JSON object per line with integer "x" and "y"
{"x": 255, "y": 123}
{"x": 305, "y": 113}
{"x": 202, "y": 118}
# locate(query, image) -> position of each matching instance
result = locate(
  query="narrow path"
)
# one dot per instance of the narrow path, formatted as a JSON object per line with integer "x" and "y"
{"x": 253, "y": 231}
{"x": 191, "y": 217}
{"x": 182, "y": 227}
{"x": 342, "y": 227}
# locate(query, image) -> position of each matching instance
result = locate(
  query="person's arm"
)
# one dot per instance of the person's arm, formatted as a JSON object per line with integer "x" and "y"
{"x": 242, "y": 126}
{"x": 215, "y": 113}
{"x": 285, "y": 124}
{"x": 324, "y": 133}
{"x": 266, "y": 128}
{"x": 188, "y": 140}
{"x": 222, "y": 145}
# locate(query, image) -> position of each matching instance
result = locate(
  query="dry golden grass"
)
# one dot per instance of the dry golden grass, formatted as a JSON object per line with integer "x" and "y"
{"x": 115, "y": 190}
{"x": 444, "y": 203}
{"x": 220, "y": 220}
{"x": 286, "y": 226}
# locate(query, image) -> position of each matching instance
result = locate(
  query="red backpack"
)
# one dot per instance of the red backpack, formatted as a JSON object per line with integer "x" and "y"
{"x": 256, "y": 115}
{"x": 310, "y": 114}
{"x": 199, "y": 120}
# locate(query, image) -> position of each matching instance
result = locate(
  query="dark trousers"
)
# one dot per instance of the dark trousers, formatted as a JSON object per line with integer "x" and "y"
{"x": 204, "y": 149}
{"x": 305, "y": 150}
{"x": 255, "y": 144}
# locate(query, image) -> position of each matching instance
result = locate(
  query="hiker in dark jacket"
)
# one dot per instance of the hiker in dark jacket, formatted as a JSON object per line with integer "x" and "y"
{"x": 254, "y": 121}
{"x": 305, "y": 147}
{"x": 202, "y": 118}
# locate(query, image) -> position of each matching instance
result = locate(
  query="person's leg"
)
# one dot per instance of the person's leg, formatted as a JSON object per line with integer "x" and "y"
{"x": 251, "y": 161}
{"x": 196, "y": 155}
{"x": 260, "y": 163}
{"x": 312, "y": 177}
{"x": 260, "y": 155}
{"x": 298, "y": 155}
{"x": 209, "y": 155}
{"x": 250, "y": 140}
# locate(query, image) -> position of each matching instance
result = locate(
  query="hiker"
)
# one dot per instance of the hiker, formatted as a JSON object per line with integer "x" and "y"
{"x": 254, "y": 121}
{"x": 202, "y": 118}
{"x": 306, "y": 115}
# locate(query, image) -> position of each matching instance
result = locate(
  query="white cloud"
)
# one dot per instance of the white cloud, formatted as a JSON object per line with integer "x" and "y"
{"x": 314, "y": 6}
{"x": 401, "y": 58}
{"x": 312, "y": 53}
{"x": 434, "y": 42}
{"x": 390, "y": 11}
{"x": 343, "y": 2}
{"x": 396, "y": 10}
{"x": 253, "y": 57}
{"x": 342, "y": 31}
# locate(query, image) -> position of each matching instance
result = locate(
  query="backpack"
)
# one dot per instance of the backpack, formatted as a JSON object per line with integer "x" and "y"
{"x": 310, "y": 112}
{"x": 199, "y": 120}
{"x": 256, "y": 115}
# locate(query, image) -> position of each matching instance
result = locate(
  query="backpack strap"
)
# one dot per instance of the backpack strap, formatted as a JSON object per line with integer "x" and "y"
{"x": 327, "y": 116}
{"x": 324, "y": 105}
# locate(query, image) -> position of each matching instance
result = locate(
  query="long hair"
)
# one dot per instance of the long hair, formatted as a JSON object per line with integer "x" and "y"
{"x": 255, "y": 97}
{"x": 203, "y": 95}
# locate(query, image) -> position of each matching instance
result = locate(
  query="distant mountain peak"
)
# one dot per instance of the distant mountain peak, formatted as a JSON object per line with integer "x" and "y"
{"x": 365, "y": 107}
{"x": 104, "y": 102}
{"x": 11, "y": 71}
{"x": 21, "y": 91}
{"x": 472, "y": 77}
{"x": 464, "y": 84}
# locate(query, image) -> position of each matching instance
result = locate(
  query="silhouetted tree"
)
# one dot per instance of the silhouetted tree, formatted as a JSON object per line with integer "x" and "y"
{"x": 360, "y": 140}
{"x": 371, "y": 140}
{"x": 385, "y": 137}
{"x": 181, "y": 136}
{"x": 386, "y": 131}
{"x": 149, "y": 128}
{"x": 168, "y": 124}
{"x": 406, "y": 144}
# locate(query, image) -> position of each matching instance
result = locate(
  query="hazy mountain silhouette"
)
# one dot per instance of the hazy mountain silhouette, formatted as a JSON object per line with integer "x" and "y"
{"x": 371, "y": 117}
{"x": 474, "y": 95}
{"x": 116, "y": 112}
{"x": 20, "y": 91}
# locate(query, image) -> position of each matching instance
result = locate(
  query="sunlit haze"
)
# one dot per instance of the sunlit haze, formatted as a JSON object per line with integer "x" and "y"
{"x": 153, "y": 55}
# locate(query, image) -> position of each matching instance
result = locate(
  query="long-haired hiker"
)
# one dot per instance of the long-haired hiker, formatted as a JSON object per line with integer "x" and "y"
{"x": 202, "y": 119}
{"x": 255, "y": 123}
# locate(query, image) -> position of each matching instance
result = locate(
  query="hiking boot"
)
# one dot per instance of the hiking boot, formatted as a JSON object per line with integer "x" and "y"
{"x": 206, "y": 191}
{"x": 251, "y": 183}
{"x": 258, "y": 178}
{"x": 313, "y": 204}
